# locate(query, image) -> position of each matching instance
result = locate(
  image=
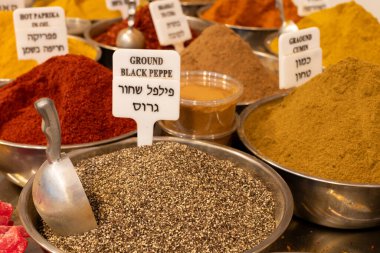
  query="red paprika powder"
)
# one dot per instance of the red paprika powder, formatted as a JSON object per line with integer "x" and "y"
{"x": 143, "y": 23}
{"x": 82, "y": 91}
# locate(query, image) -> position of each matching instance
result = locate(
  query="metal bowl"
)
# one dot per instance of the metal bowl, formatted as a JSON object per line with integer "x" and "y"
{"x": 77, "y": 26}
{"x": 20, "y": 161}
{"x": 268, "y": 41}
{"x": 255, "y": 36}
{"x": 273, "y": 181}
{"x": 325, "y": 202}
{"x": 190, "y": 8}
{"x": 107, "y": 51}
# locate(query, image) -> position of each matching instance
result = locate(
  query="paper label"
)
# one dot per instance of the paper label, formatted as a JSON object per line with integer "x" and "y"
{"x": 118, "y": 5}
{"x": 11, "y": 5}
{"x": 306, "y": 7}
{"x": 300, "y": 57}
{"x": 40, "y": 33}
{"x": 170, "y": 22}
{"x": 146, "y": 88}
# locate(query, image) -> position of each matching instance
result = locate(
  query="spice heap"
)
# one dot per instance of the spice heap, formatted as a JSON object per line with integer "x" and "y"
{"x": 170, "y": 197}
{"x": 10, "y": 66}
{"x": 86, "y": 9}
{"x": 219, "y": 49}
{"x": 82, "y": 91}
{"x": 347, "y": 30}
{"x": 12, "y": 238}
{"x": 327, "y": 128}
{"x": 253, "y": 13}
{"x": 143, "y": 23}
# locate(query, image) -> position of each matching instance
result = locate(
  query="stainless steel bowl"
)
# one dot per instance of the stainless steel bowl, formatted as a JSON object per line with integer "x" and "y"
{"x": 255, "y": 36}
{"x": 107, "y": 51}
{"x": 30, "y": 219}
{"x": 20, "y": 161}
{"x": 325, "y": 202}
{"x": 77, "y": 26}
{"x": 190, "y": 8}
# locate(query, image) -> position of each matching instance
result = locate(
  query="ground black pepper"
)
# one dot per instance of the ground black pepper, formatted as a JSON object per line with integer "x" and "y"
{"x": 170, "y": 197}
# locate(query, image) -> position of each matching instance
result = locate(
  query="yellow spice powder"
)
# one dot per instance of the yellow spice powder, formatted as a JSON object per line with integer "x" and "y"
{"x": 329, "y": 127}
{"x": 347, "y": 30}
{"x": 10, "y": 66}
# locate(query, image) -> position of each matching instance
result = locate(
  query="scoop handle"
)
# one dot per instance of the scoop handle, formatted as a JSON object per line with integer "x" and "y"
{"x": 50, "y": 127}
{"x": 131, "y": 13}
{"x": 280, "y": 7}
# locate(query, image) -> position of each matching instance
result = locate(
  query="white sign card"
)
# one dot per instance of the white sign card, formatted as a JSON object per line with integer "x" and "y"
{"x": 146, "y": 88}
{"x": 306, "y": 7}
{"x": 170, "y": 23}
{"x": 11, "y": 5}
{"x": 40, "y": 33}
{"x": 118, "y": 5}
{"x": 300, "y": 57}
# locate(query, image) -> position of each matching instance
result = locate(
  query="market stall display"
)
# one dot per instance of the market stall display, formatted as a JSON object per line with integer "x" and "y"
{"x": 322, "y": 138}
{"x": 325, "y": 131}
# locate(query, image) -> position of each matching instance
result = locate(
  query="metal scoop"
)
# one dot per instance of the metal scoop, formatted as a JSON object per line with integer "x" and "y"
{"x": 58, "y": 194}
{"x": 287, "y": 25}
{"x": 130, "y": 37}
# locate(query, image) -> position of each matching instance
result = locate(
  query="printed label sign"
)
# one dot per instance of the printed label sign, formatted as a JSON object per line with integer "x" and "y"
{"x": 118, "y": 5}
{"x": 146, "y": 88}
{"x": 11, "y": 5}
{"x": 300, "y": 57}
{"x": 170, "y": 23}
{"x": 40, "y": 33}
{"x": 306, "y": 7}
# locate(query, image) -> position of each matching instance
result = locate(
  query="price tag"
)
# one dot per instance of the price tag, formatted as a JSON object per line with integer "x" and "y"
{"x": 11, "y": 5}
{"x": 146, "y": 88}
{"x": 300, "y": 57}
{"x": 170, "y": 23}
{"x": 118, "y": 5}
{"x": 40, "y": 33}
{"x": 306, "y": 7}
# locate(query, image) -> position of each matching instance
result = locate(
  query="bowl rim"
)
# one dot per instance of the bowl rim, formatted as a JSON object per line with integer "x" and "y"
{"x": 282, "y": 225}
{"x": 236, "y": 27}
{"x": 243, "y": 137}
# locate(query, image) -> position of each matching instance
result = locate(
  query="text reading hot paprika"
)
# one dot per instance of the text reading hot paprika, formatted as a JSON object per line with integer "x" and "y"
{"x": 40, "y": 33}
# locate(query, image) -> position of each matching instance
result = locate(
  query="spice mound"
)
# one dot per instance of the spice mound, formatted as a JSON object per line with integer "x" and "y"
{"x": 328, "y": 128}
{"x": 143, "y": 23}
{"x": 10, "y": 66}
{"x": 253, "y": 13}
{"x": 82, "y": 91}
{"x": 86, "y": 9}
{"x": 170, "y": 197}
{"x": 347, "y": 30}
{"x": 220, "y": 50}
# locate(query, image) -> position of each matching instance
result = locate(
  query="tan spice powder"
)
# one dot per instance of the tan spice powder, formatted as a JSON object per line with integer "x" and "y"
{"x": 328, "y": 128}
{"x": 220, "y": 50}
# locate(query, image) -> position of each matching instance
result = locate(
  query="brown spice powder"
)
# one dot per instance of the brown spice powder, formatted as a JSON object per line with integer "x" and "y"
{"x": 220, "y": 50}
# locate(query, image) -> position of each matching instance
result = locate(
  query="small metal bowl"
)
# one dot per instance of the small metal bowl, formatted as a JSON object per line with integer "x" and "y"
{"x": 20, "y": 161}
{"x": 31, "y": 220}
{"x": 325, "y": 202}
{"x": 107, "y": 51}
{"x": 77, "y": 26}
{"x": 255, "y": 36}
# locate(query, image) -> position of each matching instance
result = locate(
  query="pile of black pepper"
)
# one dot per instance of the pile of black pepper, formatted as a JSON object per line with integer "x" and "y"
{"x": 170, "y": 197}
